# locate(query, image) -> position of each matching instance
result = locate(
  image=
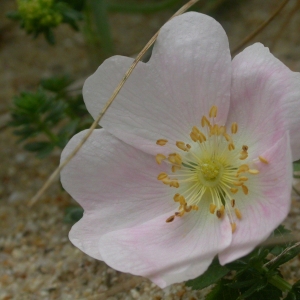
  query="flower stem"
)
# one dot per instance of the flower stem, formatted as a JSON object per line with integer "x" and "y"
{"x": 280, "y": 283}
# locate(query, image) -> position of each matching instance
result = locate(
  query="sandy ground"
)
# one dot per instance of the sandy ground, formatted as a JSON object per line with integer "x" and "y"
{"x": 37, "y": 261}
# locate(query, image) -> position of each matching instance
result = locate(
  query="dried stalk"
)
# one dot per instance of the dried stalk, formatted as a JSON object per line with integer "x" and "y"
{"x": 259, "y": 29}
{"x": 103, "y": 111}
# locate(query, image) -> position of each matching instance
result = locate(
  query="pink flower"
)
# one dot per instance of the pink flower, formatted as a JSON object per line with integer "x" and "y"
{"x": 194, "y": 159}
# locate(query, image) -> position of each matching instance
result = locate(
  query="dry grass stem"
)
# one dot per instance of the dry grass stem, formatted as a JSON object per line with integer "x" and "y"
{"x": 259, "y": 29}
{"x": 281, "y": 254}
{"x": 106, "y": 106}
{"x": 285, "y": 24}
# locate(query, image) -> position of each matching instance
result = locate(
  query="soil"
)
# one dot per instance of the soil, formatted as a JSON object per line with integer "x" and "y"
{"x": 37, "y": 261}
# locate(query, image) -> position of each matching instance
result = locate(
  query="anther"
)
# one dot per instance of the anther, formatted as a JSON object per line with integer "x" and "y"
{"x": 234, "y": 190}
{"x": 245, "y": 190}
{"x": 175, "y": 168}
{"x": 244, "y": 155}
{"x": 188, "y": 146}
{"x": 233, "y": 227}
{"x": 212, "y": 208}
{"x": 243, "y": 168}
{"x": 204, "y": 121}
{"x": 187, "y": 208}
{"x": 263, "y": 160}
{"x": 220, "y": 212}
{"x": 227, "y": 137}
{"x": 222, "y": 130}
{"x": 161, "y": 142}
{"x": 253, "y": 171}
{"x": 162, "y": 176}
{"x": 213, "y": 111}
{"x": 181, "y": 145}
{"x": 234, "y": 128}
{"x": 238, "y": 183}
{"x": 194, "y": 136}
{"x": 232, "y": 202}
{"x": 231, "y": 146}
{"x": 238, "y": 213}
{"x": 174, "y": 183}
{"x": 195, "y": 207}
{"x": 245, "y": 148}
{"x": 243, "y": 178}
{"x": 159, "y": 158}
{"x": 179, "y": 214}
{"x": 170, "y": 219}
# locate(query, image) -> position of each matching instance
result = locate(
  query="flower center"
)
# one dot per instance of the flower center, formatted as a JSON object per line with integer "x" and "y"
{"x": 209, "y": 172}
{"x": 209, "y": 168}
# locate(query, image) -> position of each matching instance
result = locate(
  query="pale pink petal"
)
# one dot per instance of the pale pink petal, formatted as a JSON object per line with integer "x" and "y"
{"x": 116, "y": 185}
{"x": 267, "y": 203}
{"x": 164, "y": 252}
{"x": 265, "y": 99}
{"x": 189, "y": 71}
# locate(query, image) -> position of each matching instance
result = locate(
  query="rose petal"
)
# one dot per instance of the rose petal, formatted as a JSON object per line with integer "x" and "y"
{"x": 265, "y": 99}
{"x": 167, "y": 252}
{"x": 190, "y": 70}
{"x": 115, "y": 183}
{"x": 267, "y": 203}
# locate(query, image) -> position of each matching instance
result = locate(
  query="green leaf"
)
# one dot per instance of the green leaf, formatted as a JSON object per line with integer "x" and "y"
{"x": 56, "y": 84}
{"x": 256, "y": 287}
{"x": 296, "y": 167}
{"x": 222, "y": 292}
{"x": 73, "y": 214}
{"x": 214, "y": 272}
{"x": 268, "y": 292}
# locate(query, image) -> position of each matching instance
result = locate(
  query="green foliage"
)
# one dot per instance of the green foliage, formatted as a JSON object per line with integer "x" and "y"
{"x": 253, "y": 277}
{"x": 46, "y": 119}
{"x": 73, "y": 214}
{"x": 41, "y": 16}
{"x": 212, "y": 275}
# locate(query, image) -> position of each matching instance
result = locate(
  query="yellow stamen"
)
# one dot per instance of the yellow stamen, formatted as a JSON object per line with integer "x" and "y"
{"x": 253, "y": 171}
{"x": 188, "y": 146}
{"x": 233, "y": 227}
{"x": 159, "y": 158}
{"x": 161, "y": 142}
{"x": 245, "y": 148}
{"x": 244, "y": 155}
{"x": 234, "y": 128}
{"x": 170, "y": 219}
{"x": 162, "y": 176}
{"x": 222, "y": 130}
{"x": 194, "y": 136}
{"x": 227, "y": 137}
{"x": 195, "y": 207}
{"x": 181, "y": 145}
{"x": 263, "y": 160}
{"x": 232, "y": 202}
{"x": 187, "y": 208}
{"x": 234, "y": 190}
{"x": 238, "y": 213}
{"x": 175, "y": 168}
{"x": 243, "y": 168}
{"x": 213, "y": 111}
{"x": 174, "y": 183}
{"x": 204, "y": 121}
{"x": 212, "y": 208}
{"x": 231, "y": 147}
{"x": 243, "y": 178}
{"x": 179, "y": 214}
{"x": 220, "y": 212}
{"x": 245, "y": 190}
{"x": 166, "y": 181}
{"x": 238, "y": 183}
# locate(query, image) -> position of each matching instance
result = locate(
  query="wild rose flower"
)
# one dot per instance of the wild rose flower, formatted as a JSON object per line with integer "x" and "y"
{"x": 194, "y": 159}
